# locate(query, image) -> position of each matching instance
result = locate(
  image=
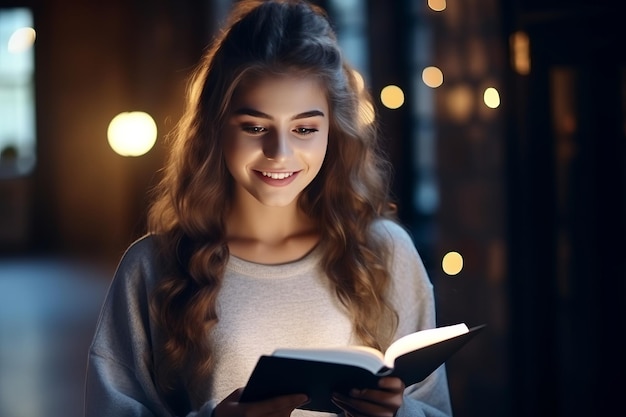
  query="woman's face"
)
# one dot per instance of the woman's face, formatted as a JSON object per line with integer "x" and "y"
{"x": 276, "y": 138}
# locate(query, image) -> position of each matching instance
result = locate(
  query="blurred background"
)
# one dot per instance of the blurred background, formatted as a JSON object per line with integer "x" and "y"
{"x": 505, "y": 121}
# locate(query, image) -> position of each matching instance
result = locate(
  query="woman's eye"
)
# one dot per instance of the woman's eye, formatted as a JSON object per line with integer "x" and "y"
{"x": 303, "y": 131}
{"x": 254, "y": 130}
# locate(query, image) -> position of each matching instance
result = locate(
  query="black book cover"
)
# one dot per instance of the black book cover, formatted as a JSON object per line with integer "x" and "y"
{"x": 274, "y": 376}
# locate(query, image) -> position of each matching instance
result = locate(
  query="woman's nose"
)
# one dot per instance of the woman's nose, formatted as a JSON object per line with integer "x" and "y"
{"x": 277, "y": 146}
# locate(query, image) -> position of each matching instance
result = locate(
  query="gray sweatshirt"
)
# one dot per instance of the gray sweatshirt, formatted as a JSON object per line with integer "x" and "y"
{"x": 261, "y": 308}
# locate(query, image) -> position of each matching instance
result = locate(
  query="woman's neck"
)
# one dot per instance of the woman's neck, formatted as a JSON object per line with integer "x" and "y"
{"x": 270, "y": 235}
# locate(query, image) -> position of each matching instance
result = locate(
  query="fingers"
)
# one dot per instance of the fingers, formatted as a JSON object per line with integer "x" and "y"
{"x": 389, "y": 383}
{"x": 381, "y": 402}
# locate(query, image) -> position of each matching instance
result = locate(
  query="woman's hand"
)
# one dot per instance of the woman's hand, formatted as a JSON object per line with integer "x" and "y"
{"x": 274, "y": 407}
{"x": 381, "y": 402}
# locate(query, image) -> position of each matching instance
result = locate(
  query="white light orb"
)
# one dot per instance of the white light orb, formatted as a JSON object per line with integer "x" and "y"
{"x": 132, "y": 133}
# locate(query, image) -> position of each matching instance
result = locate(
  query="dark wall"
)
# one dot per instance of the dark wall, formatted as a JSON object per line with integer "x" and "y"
{"x": 567, "y": 160}
{"x": 93, "y": 61}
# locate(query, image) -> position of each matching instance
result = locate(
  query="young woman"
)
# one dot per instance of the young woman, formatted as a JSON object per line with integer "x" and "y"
{"x": 271, "y": 228}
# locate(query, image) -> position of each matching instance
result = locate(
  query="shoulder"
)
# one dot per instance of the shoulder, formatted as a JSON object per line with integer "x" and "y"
{"x": 411, "y": 288}
{"x": 139, "y": 267}
{"x": 404, "y": 260}
{"x": 396, "y": 236}
{"x": 141, "y": 251}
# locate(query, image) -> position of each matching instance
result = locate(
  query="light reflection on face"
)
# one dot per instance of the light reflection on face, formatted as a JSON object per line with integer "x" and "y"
{"x": 276, "y": 138}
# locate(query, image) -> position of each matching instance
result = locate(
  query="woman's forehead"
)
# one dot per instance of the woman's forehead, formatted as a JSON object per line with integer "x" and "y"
{"x": 281, "y": 91}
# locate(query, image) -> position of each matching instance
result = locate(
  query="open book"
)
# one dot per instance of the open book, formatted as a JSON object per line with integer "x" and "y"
{"x": 320, "y": 372}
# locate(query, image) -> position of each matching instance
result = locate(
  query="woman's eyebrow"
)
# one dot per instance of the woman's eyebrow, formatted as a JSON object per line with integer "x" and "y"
{"x": 247, "y": 111}
{"x": 307, "y": 114}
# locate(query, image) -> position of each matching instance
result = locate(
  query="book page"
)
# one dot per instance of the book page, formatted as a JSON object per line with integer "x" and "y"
{"x": 361, "y": 356}
{"x": 418, "y": 340}
{"x": 370, "y": 358}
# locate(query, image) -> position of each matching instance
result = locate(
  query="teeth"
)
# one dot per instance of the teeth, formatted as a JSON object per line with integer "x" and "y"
{"x": 277, "y": 175}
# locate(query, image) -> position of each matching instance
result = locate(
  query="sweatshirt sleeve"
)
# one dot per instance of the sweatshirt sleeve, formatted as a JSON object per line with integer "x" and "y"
{"x": 412, "y": 296}
{"x": 119, "y": 378}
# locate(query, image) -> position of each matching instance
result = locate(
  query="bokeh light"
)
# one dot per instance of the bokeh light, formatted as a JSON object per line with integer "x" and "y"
{"x": 452, "y": 263}
{"x": 392, "y": 96}
{"x": 491, "y": 98}
{"x": 432, "y": 77}
{"x": 437, "y": 5}
{"x": 460, "y": 101}
{"x": 520, "y": 47}
{"x": 21, "y": 40}
{"x": 360, "y": 82}
{"x": 132, "y": 133}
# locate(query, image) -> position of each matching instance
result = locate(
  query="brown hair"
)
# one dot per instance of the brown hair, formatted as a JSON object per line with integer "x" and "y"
{"x": 348, "y": 194}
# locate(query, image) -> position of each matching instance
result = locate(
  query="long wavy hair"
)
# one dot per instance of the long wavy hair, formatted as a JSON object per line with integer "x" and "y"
{"x": 194, "y": 196}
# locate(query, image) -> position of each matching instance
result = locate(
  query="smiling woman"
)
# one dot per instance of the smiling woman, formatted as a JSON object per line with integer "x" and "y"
{"x": 274, "y": 145}
{"x": 272, "y": 227}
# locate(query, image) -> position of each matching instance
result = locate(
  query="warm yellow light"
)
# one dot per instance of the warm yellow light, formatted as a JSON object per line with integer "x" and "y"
{"x": 21, "y": 40}
{"x": 360, "y": 83}
{"x": 491, "y": 97}
{"x": 392, "y": 96}
{"x": 452, "y": 263}
{"x": 460, "y": 102}
{"x": 437, "y": 5}
{"x": 520, "y": 52}
{"x": 432, "y": 77}
{"x": 132, "y": 133}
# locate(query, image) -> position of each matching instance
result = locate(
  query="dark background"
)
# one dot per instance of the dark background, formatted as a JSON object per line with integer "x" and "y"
{"x": 532, "y": 194}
